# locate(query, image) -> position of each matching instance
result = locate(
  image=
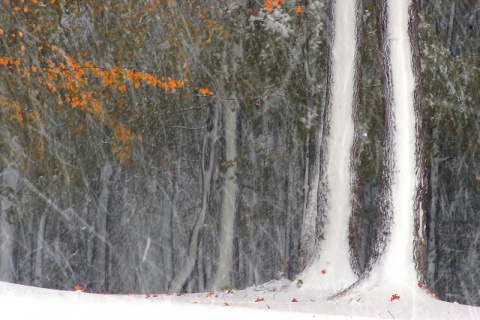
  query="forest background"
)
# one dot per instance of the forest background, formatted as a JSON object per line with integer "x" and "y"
{"x": 117, "y": 152}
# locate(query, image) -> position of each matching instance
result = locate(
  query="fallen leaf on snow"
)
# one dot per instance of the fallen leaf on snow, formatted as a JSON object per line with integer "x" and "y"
{"x": 395, "y": 297}
{"x": 78, "y": 288}
{"x": 259, "y": 299}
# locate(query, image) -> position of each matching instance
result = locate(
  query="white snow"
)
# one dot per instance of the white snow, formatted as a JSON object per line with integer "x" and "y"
{"x": 22, "y": 302}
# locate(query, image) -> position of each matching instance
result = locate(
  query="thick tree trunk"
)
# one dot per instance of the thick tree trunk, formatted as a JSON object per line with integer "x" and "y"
{"x": 229, "y": 196}
{"x": 399, "y": 251}
{"x": 208, "y": 165}
{"x": 336, "y": 175}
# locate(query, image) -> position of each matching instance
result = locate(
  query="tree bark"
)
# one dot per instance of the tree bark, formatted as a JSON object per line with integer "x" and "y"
{"x": 39, "y": 251}
{"x": 9, "y": 180}
{"x": 229, "y": 196}
{"x": 337, "y": 178}
{"x": 100, "y": 262}
{"x": 208, "y": 165}
{"x": 403, "y": 194}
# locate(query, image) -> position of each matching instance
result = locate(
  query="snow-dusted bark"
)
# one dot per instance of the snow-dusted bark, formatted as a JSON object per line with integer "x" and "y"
{"x": 208, "y": 165}
{"x": 335, "y": 194}
{"x": 9, "y": 180}
{"x": 39, "y": 251}
{"x": 229, "y": 196}
{"x": 101, "y": 242}
{"x": 400, "y": 247}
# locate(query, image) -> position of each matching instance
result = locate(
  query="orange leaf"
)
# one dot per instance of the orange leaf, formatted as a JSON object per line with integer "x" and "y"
{"x": 205, "y": 91}
{"x": 294, "y": 300}
{"x": 324, "y": 271}
{"x": 147, "y": 295}
{"x": 395, "y": 297}
{"x": 1, "y": 31}
{"x": 268, "y": 5}
{"x": 122, "y": 88}
{"x": 260, "y": 300}
{"x": 78, "y": 288}
{"x": 22, "y": 48}
{"x": 298, "y": 10}
{"x": 208, "y": 295}
{"x": 25, "y": 9}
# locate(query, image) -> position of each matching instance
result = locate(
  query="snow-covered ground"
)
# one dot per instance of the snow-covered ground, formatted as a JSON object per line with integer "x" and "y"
{"x": 273, "y": 300}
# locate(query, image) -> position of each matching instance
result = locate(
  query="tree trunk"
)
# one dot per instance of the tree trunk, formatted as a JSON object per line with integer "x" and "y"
{"x": 100, "y": 263}
{"x": 229, "y": 196}
{"x": 400, "y": 249}
{"x": 9, "y": 180}
{"x": 208, "y": 165}
{"x": 39, "y": 252}
{"x": 336, "y": 174}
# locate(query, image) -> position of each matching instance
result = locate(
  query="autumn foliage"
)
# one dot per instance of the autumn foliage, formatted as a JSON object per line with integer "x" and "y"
{"x": 48, "y": 79}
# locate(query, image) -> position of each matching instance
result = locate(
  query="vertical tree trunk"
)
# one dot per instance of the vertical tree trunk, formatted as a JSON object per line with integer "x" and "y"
{"x": 229, "y": 196}
{"x": 208, "y": 165}
{"x": 9, "y": 180}
{"x": 336, "y": 174}
{"x": 100, "y": 262}
{"x": 167, "y": 228}
{"x": 400, "y": 251}
{"x": 39, "y": 251}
